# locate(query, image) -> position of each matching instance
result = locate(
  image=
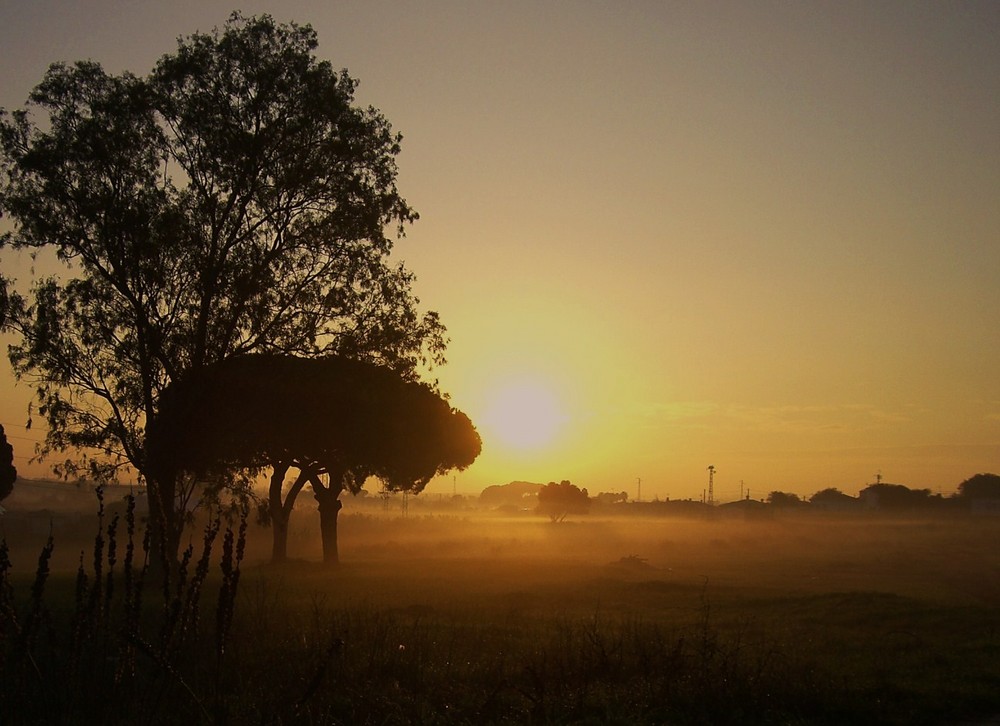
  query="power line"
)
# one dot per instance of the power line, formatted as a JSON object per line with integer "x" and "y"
{"x": 7, "y": 426}
{"x": 23, "y": 438}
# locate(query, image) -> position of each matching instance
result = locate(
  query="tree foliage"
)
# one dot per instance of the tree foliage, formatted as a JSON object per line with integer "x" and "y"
{"x": 343, "y": 419}
{"x": 833, "y": 498}
{"x": 783, "y": 499}
{"x": 234, "y": 200}
{"x": 8, "y": 474}
{"x": 980, "y": 486}
{"x": 559, "y": 500}
{"x": 517, "y": 494}
{"x": 897, "y": 497}
{"x": 336, "y": 413}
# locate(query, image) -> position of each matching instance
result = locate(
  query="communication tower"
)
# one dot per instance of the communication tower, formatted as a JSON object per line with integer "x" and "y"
{"x": 711, "y": 486}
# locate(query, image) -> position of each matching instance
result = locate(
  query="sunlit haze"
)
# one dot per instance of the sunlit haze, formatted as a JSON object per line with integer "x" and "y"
{"x": 763, "y": 236}
{"x": 523, "y": 415}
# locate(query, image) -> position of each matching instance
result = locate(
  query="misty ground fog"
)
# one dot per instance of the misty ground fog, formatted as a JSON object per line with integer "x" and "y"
{"x": 929, "y": 558}
{"x": 835, "y": 618}
{"x": 438, "y": 554}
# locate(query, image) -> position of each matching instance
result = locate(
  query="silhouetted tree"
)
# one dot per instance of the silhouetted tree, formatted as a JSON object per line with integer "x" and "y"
{"x": 783, "y": 499}
{"x": 517, "y": 494}
{"x": 235, "y": 200}
{"x": 8, "y": 474}
{"x": 980, "y": 486}
{"x": 833, "y": 498}
{"x": 556, "y": 501}
{"x": 897, "y": 497}
{"x": 4, "y": 303}
{"x": 332, "y": 418}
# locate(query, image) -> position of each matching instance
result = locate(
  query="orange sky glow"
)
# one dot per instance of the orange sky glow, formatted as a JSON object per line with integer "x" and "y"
{"x": 761, "y": 236}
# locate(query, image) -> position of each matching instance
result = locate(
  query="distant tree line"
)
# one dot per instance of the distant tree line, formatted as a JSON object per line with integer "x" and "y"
{"x": 976, "y": 491}
{"x": 980, "y": 492}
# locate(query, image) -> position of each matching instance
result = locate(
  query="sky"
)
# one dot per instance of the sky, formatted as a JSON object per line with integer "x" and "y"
{"x": 761, "y": 236}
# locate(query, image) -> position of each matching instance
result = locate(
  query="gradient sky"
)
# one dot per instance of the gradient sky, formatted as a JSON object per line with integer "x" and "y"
{"x": 763, "y": 236}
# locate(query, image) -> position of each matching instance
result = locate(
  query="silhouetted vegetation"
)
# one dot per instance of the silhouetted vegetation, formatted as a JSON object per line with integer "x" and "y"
{"x": 329, "y": 417}
{"x": 117, "y": 644}
{"x": 606, "y": 498}
{"x": 898, "y": 498}
{"x": 783, "y": 499}
{"x": 234, "y": 200}
{"x": 448, "y": 620}
{"x": 556, "y": 501}
{"x": 8, "y": 474}
{"x": 517, "y": 495}
{"x": 977, "y": 494}
{"x": 980, "y": 486}
{"x": 833, "y": 498}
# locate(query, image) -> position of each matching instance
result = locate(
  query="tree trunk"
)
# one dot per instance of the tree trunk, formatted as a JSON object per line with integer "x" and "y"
{"x": 329, "y": 508}
{"x": 279, "y": 518}
{"x": 281, "y": 512}
{"x": 279, "y": 546}
{"x": 328, "y": 498}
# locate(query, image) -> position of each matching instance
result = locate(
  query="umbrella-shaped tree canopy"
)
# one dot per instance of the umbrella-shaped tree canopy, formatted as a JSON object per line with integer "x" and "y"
{"x": 346, "y": 418}
{"x": 254, "y": 410}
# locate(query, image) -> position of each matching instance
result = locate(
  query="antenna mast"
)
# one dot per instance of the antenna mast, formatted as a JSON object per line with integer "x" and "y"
{"x": 711, "y": 486}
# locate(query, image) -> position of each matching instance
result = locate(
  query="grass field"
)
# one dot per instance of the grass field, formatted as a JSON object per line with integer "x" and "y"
{"x": 476, "y": 619}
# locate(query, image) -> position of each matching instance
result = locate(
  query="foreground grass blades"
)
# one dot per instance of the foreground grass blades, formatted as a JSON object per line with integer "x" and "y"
{"x": 493, "y": 639}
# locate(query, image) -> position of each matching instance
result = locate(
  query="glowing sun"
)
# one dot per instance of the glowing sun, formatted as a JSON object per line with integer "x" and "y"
{"x": 524, "y": 415}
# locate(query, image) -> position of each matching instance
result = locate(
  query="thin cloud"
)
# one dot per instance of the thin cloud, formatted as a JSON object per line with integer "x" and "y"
{"x": 784, "y": 418}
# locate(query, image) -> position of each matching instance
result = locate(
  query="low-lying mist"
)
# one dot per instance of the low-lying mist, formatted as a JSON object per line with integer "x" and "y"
{"x": 477, "y": 616}
{"x": 446, "y": 549}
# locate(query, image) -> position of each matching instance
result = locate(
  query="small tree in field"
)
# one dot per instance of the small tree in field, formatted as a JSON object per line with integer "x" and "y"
{"x": 556, "y": 501}
{"x": 333, "y": 419}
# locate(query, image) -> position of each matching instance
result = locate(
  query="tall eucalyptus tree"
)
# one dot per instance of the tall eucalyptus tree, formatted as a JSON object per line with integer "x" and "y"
{"x": 234, "y": 200}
